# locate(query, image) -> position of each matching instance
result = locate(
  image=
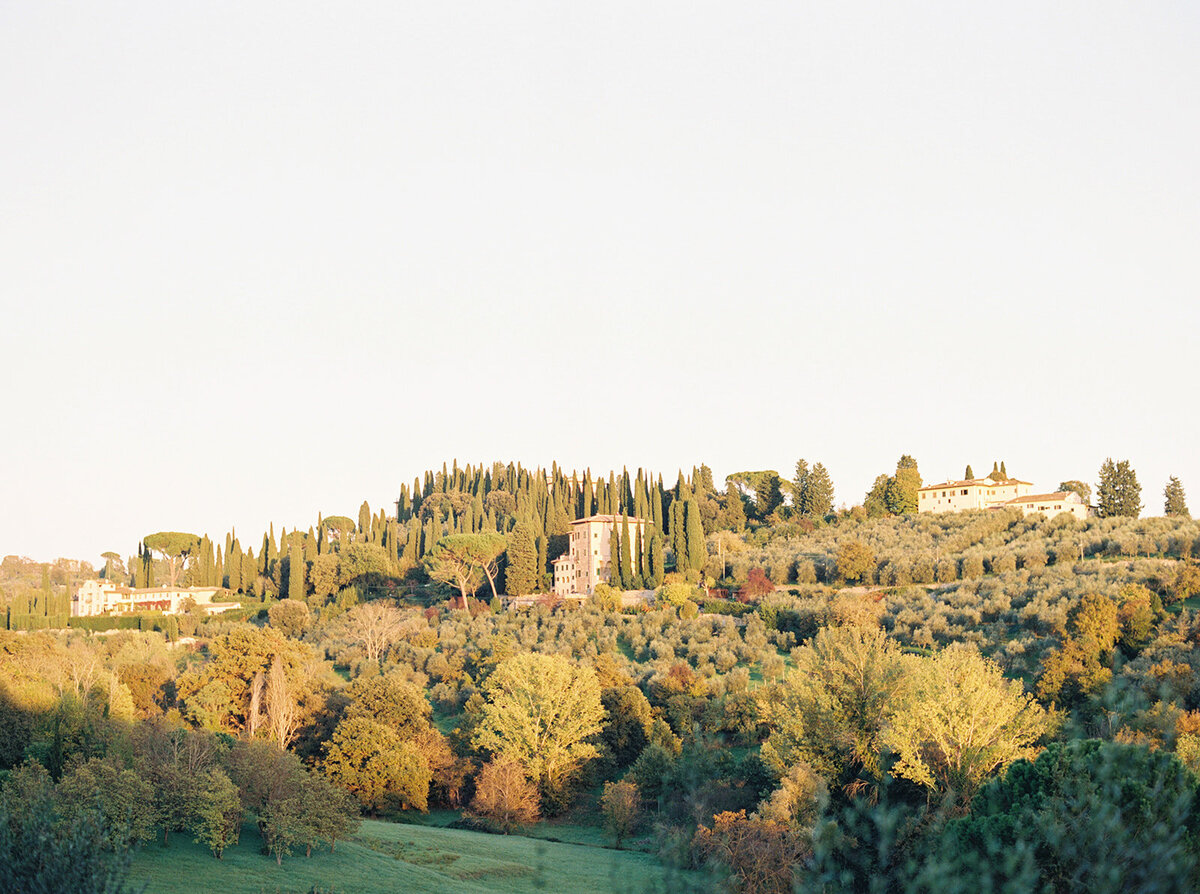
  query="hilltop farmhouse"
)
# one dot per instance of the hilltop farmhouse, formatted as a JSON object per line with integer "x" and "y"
{"x": 586, "y": 561}
{"x": 103, "y": 597}
{"x": 995, "y": 492}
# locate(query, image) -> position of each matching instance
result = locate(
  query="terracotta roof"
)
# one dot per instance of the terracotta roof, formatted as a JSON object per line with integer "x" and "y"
{"x": 975, "y": 482}
{"x": 1062, "y": 495}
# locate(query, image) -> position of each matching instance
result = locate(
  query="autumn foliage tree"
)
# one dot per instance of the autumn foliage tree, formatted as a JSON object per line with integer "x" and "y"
{"x": 759, "y": 854}
{"x": 757, "y": 586}
{"x": 620, "y": 805}
{"x": 504, "y": 795}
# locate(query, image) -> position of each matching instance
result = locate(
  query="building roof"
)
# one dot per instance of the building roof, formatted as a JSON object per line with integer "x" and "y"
{"x": 1060, "y": 495}
{"x": 976, "y": 482}
{"x": 611, "y": 519}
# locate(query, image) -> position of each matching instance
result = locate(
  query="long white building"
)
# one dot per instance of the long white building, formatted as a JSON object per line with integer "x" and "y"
{"x": 103, "y": 597}
{"x": 992, "y": 493}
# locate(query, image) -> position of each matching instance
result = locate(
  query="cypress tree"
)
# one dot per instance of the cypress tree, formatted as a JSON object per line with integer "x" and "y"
{"x": 969, "y": 475}
{"x": 614, "y": 559}
{"x": 640, "y": 566}
{"x": 249, "y": 573}
{"x": 310, "y": 547}
{"x": 542, "y": 545}
{"x": 412, "y": 545}
{"x": 678, "y": 535}
{"x": 393, "y": 541}
{"x": 696, "y": 551}
{"x": 364, "y": 521}
{"x": 430, "y": 536}
{"x": 626, "y": 556}
{"x": 521, "y": 576}
{"x": 233, "y": 567}
{"x": 657, "y": 564}
{"x": 147, "y": 567}
{"x": 1003, "y": 471}
{"x": 587, "y": 495}
{"x": 655, "y": 499}
{"x": 47, "y": 592}
{"x": 269, "y": 552}
{"x": 295, "y": 582}
{"x": 209, "y": 571}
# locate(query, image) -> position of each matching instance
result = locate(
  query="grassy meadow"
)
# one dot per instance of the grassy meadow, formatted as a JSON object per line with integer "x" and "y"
{"x": 385, "y": 857}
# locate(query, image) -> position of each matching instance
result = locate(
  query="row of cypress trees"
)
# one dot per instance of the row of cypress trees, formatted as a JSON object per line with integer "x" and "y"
{"x": 534, "y": 508}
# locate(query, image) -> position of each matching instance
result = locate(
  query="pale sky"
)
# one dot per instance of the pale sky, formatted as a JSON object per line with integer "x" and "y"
{"x": 263, "y": 260}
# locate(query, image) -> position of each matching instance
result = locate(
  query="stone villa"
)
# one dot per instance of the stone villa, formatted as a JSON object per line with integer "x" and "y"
{"x": 586, "y": 561}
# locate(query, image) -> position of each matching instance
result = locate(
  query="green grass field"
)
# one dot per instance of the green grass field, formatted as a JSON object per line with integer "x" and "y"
{"x": 386, "y": 857}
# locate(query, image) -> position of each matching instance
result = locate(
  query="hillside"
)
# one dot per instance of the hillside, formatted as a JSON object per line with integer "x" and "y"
{"x": 391, "y": 857}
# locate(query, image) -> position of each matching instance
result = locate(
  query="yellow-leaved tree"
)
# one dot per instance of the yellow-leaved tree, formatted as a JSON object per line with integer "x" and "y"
{"x": 964, "y": 722}
{"x": 542, "y": 711}
{"x": 832, "y": 709}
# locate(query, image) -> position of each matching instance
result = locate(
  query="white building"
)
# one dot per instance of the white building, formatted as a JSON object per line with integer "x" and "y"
{"x": 992, "y": 493}
{"x": 103, "y": 597}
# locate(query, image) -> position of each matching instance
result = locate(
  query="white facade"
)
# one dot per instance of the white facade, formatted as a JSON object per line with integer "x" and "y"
{"x": 103, "y": 597}
{"x": 586, "y": 561}
{"x": 1052, "y": 504}
{"x": 973, "y": 493}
